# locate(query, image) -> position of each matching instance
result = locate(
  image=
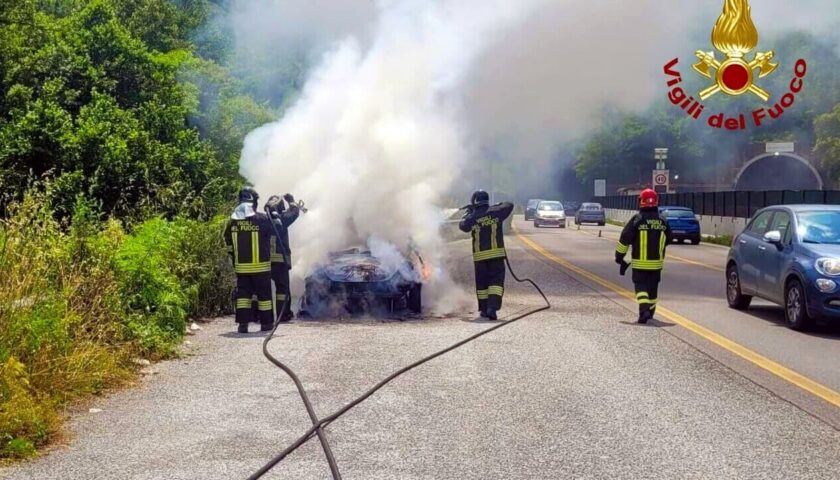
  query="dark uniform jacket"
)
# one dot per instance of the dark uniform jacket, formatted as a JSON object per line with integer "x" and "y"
{"x": 249, "y": 242}
{"x": 648, "y": 234}
{"x": 485, "y": 225}
{"x": 281, "y": 252}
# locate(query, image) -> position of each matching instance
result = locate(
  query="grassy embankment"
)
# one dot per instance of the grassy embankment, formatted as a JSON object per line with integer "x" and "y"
{"x": 78, "y": 302}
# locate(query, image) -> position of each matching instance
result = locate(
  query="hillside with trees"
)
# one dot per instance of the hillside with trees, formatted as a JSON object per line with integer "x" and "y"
{"x": 121, "y": 124}
{"x": 622, "y": 149}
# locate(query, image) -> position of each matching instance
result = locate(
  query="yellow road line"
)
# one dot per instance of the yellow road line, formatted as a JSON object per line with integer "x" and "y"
{"x": 668, "y": 255}
{"x": 757, "y": 359}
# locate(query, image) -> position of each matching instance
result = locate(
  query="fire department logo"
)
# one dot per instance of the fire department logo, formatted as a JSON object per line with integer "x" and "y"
{"x": 735, "y": 36}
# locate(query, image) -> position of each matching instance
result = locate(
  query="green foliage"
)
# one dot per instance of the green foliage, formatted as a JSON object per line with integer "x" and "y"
{"x": 109, "y": 98}
{"x": 77, "y": 302}
{"x": 121, "y": 126}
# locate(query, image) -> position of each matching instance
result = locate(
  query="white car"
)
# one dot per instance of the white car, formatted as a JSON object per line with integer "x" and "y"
{"x": 550, "y": 213}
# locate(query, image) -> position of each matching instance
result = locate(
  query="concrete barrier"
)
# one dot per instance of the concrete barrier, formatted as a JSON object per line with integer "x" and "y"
{"x": 709, "y": 224}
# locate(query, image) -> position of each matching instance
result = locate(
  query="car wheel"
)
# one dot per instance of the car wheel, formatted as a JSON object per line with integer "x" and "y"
{"x": 796, "y": 312}
{"x": 734, "y": 297}
{"x": 536, "y": 225}
{"x": 601, "y": 224}
{"x": 415, "y": 303}
{"x": 695, "y": 241}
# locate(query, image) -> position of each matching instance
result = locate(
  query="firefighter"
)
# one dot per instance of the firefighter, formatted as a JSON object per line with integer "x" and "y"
{"x": 648, "y": 234}
{"x": 248, "y": 238}
{"x": 488, "y": 245}
{"x": 281, "y": 252}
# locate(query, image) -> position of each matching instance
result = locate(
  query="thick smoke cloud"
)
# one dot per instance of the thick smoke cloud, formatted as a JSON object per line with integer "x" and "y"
{"x": 375, "y": 140}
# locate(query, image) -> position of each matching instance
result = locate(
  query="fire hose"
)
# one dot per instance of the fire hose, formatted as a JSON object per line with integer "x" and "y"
{"x": 318, "y": 426}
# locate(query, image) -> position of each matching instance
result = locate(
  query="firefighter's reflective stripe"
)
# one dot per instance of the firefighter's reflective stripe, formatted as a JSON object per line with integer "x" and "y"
{"x": 647, "y": 264}
{"x": 260, "y": 267}
{"x": 276, "y": 257}
{"x": 495, "y": 290}
{"x": 281, "y": 297}
{"x": 622, "y": 248}
{"x": 482, "y": 294}
{"x": 642, "y": 298}
{"x": 476, "y": 240}
{"x": 235, "y": 246}
{"x": 494, "y": 244}
{"x": 255, "y": 250}
{"x": 643, "y": 246}
{"x": 265, "y": 305}
{"x": 489, "y": 254}
{"x": 243, "y": 303}
{"x": 662, "y": 242}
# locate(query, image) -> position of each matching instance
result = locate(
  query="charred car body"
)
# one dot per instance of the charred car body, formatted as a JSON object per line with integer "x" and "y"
{"x": 355, "y": 281}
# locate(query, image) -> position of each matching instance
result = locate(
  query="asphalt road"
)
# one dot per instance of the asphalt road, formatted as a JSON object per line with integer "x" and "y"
{"x": 694, "y": 286}
{"x": 576, "y": 392}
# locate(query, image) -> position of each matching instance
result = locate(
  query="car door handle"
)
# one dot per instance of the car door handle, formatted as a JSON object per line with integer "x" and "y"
{"x": 743, "y": 242}
{"x": 762, "y": 247}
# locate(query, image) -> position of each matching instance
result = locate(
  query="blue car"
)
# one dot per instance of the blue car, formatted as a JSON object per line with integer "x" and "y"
{"x": 789, "y": 255}
{"x": 683, "y": 223}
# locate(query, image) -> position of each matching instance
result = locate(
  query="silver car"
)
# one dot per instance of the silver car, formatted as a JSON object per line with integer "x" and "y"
{"x": 550, "y": 213}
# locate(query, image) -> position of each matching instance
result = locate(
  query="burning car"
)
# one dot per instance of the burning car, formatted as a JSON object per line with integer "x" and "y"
{"x": 356, "y": 281}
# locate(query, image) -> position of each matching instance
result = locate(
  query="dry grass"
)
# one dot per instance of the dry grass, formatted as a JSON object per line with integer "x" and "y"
{"x": 77, "y": 303}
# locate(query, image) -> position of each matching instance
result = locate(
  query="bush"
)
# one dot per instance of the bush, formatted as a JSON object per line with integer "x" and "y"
{"x": 76, "y": 304}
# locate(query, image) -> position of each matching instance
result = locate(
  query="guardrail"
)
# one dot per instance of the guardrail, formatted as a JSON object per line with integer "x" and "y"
{"x": 728, "y": 204}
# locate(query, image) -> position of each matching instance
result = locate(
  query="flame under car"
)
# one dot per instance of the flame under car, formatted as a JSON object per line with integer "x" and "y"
{"x": 354, "y": 281}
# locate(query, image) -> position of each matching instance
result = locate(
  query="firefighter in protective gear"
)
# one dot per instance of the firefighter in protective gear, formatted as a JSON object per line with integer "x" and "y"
{"x": 648, "y": 234}
{"x": 485, "y": 224}
{"x": 281, "y": 252}
{"x": 248, "y": 238}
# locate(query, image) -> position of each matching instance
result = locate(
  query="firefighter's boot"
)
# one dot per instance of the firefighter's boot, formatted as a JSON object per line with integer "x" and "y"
{"x": 491, "y": 314}
{"x": 243, "y": 328}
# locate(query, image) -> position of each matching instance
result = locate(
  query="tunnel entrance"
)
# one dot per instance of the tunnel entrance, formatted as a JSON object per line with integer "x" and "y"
{"x": 786, "y": 171}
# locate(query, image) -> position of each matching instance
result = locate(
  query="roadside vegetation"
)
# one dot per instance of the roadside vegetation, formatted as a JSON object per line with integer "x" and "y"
{"x": 121, "y": 123}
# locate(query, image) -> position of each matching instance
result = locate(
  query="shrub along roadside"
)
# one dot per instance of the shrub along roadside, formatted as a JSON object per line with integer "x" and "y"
{"x": 77, "y": 303}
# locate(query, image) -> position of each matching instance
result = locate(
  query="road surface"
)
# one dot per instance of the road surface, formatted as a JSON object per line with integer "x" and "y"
{"x": 575, "y": 392}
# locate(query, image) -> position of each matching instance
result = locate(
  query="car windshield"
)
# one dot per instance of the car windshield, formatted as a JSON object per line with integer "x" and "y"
{"x": 550, "y": 206}
{"x": 819, "y": 227}
{"x": 591, "y": 206}
{"x": 679, "y": 214}
{"x": 533, "y": 203}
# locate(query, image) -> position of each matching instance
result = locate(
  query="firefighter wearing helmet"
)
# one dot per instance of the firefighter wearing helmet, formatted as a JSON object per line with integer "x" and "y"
{"x": 484, "y": 222}
{"x": 648, "y": 234}
{"x": 281, "y": 252}
{"x": 248, "y": 239}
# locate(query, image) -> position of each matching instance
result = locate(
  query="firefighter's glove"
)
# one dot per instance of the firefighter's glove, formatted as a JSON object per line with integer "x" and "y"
{"x": 623, "y": 269}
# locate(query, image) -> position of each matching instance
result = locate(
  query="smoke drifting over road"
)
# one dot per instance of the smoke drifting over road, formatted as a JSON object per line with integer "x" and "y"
{"x": 407, "y": 97}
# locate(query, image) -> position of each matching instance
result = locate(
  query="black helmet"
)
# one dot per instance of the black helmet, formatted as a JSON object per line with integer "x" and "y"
{"x": 248, "y": 194}
{"x": 479, "y": 198}
{"x": 275, "y": 204}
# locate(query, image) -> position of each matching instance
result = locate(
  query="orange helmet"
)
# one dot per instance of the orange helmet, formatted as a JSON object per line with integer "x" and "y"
{"x": 648, "y": 198}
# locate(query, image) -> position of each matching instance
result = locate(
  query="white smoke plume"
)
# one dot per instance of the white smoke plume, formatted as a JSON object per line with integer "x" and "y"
{"x": 375, "y": 140}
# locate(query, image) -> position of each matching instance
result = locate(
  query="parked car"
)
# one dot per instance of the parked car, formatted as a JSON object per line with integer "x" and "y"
{"x": 789, "y": 255}
{"x": 591, "y": 213}
{"x": 531, "y": 208}
{"x": 571, "y": 208}
{"x": 683, "y": 222}
{"x": 550, "y": 213}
